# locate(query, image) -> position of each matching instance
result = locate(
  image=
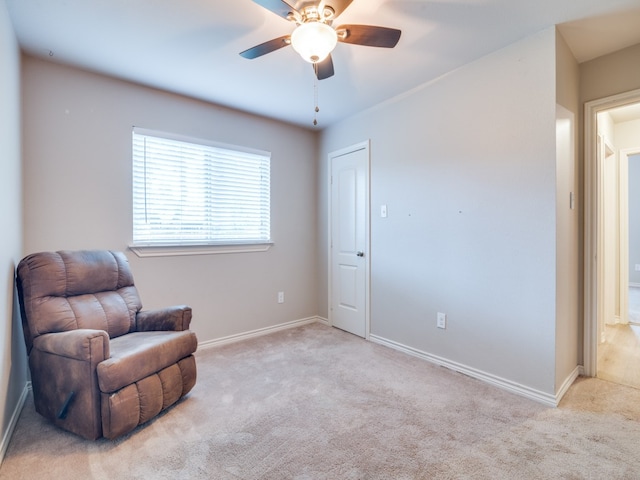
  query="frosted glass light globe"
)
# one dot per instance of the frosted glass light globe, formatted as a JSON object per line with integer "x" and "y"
{"x": 314, "y": 41}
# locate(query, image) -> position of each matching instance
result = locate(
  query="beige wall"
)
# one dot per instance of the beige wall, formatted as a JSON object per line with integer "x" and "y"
{"x": 466, "y": 165}
{"x": 77, "y": 163}
{"x": 12, "y": 352}
{"x": 610, "y": 74}
{"x": 569, "y": 275}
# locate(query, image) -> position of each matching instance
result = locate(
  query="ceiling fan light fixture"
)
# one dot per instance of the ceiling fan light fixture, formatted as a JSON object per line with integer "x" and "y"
{"x": 314, "y": 41}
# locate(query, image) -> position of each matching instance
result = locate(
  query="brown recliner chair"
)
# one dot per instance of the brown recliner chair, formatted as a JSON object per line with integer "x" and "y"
{"x": 99, "y": 365}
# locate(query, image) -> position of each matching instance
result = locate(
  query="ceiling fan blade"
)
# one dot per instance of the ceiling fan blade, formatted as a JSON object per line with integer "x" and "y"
{"x": 324, "y": 69}
{"x": 368, "y": 35}
{"x": 279, "y": 7}
{"x": 338, "y": 6}
{"x": 266, "y": 47}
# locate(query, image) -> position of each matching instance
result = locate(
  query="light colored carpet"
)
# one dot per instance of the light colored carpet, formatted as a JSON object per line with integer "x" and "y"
{"x": 317, "y": 403}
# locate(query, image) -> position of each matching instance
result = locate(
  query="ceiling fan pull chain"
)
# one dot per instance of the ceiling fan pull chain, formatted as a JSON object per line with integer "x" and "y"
{"x": 315, "y": 99}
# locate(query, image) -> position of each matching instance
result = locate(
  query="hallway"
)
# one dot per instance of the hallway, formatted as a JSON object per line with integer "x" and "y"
{"x": 619, "y": 356}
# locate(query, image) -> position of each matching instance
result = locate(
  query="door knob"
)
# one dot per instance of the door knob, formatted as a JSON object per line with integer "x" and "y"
{"x": 360, "y": 254}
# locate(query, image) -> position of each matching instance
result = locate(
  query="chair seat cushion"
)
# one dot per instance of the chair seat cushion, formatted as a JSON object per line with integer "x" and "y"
{"x": 139, "y": 354}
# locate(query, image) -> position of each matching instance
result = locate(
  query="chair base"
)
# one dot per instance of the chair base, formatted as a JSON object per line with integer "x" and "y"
{"x": 112, "y": 415}
{"x": 135, "y": 404}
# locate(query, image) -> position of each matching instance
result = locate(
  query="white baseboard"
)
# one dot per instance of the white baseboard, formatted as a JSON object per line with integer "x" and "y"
{"x": 323, "y": 320}
{"x": 522, "y": 390}
{"x": 568, "y": 382}
{"x": 259, "y": 332}
{"x": 616, "y": 321}
{"x": 13, "y": 421}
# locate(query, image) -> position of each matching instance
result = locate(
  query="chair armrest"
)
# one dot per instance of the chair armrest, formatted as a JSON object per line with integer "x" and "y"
{"x": 174, "y": 318}
{"x": 82, "y": 344}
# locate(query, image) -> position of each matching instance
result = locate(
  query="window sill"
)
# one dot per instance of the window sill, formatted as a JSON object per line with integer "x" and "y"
{"x": 180, "y": 250}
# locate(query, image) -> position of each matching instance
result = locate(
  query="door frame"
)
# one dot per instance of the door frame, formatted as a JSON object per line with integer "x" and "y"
{"x": 365, "y": 145}
{"x": 593, "y": 211}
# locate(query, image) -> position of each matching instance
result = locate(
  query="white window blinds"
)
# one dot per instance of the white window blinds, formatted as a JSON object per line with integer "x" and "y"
{"x": 193, "y": 192}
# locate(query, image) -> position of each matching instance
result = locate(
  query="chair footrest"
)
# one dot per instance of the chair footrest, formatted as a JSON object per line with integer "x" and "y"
{"x": 137, "y": 355}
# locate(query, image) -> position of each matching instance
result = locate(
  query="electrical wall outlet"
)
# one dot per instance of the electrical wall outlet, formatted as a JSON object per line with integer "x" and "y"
{"x": 637, "y": 267}
{"x": 280, "y": 297}
{"x": 442, "y": 320}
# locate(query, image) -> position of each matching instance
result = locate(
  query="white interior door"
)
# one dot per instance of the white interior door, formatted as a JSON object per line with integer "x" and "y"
{"x": 349, "y": 242}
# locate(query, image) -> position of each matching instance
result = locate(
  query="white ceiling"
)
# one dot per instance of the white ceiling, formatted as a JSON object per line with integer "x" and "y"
{"x": 191, "y": 46}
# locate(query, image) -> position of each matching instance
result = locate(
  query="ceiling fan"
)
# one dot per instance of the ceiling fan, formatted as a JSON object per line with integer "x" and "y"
{"x": 314, "y": 37}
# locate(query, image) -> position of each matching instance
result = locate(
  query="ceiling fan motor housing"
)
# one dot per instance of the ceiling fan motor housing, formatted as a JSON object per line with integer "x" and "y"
{"x": 311, "y": 13}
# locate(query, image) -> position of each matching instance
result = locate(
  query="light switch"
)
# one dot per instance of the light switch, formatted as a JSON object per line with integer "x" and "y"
{"x": 383, "y": 211}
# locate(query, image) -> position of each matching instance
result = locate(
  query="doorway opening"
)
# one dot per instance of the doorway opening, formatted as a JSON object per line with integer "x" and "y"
{"x": 612, "y": 238}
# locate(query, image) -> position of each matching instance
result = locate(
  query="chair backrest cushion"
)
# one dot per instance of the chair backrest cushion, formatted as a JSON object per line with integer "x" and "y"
{"x": 67, "y": 290}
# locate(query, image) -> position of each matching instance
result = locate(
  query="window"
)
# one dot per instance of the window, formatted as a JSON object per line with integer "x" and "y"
{"x": 193, "y": 192}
